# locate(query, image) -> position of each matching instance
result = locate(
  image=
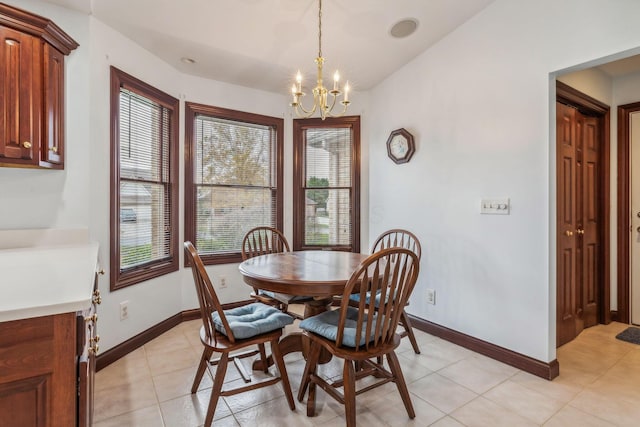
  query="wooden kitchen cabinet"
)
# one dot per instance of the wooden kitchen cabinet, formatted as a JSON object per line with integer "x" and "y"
{"x": 32, "y": 55}
{"x": 48, "y": 336}
{"x": 47, "y": 366}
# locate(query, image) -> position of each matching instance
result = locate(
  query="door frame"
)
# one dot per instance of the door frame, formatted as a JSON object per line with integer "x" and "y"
{"x": 624, "y": 206}
{"x": 591, "y": 106}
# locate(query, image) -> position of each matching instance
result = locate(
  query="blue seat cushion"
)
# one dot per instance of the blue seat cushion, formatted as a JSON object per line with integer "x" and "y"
{"x": 325, "y": 324}
{"x": 251, "y": 320}
{"x": 356, "y": 298}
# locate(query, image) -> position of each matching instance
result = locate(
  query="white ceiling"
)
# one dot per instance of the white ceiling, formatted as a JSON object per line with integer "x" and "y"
{"x": 621, "y": 67}
{"x": 262, "y": 43}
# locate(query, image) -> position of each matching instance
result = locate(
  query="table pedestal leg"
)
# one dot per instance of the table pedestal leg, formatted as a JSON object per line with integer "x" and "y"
{"x": 296, "y": 342}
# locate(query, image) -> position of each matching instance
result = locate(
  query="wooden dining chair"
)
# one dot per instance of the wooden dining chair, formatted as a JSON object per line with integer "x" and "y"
{"x": 262, "y": 241}
{"x": 363, "y": 333}
{"x": 226, "y": 331}
{"x": 398, "y": 237}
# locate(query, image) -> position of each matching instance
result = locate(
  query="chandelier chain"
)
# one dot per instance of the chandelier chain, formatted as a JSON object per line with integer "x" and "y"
{"x": 320, "y": 30}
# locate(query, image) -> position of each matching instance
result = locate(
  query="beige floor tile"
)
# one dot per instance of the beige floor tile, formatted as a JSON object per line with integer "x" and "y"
{"x": 612, "y": 409}
{"x": 572, "y": 375}
{"x": 557, "y": 389}
{"x": 191, "y": 410}
{"x": 178, "y": 383}
{"x": 523, "y": 401}
{"x": 131, "y": 368}
{"x": 482, "y": 412}
{"x": 447, "y": 422}
{"x": 169, "y": 341}
{"x": 391, "y": 410}
{"x": 274, "y": 413}
{"x": 569, "y": 417}
{"x": 472, "y": 376}
{"x": 246, "y": 400}
{"x": 161, "y": 363}
{"x": 442, "y": 393}
{"x": 109, "y": 402}
{"x": 439, "y": 355}
{"x": 598, "y": 378}
{"x": 145, "y": 417}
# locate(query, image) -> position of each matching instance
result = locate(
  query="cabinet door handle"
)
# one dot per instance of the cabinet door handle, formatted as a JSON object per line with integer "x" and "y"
{"x": 26, "y": 144}
{"x": 97, "y": 299}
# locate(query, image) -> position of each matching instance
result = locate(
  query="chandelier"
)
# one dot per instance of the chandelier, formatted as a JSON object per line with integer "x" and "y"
{"x": 324, "y": 100}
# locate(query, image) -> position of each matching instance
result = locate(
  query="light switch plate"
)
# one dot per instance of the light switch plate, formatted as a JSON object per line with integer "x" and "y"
{"x": 495, "y": 206}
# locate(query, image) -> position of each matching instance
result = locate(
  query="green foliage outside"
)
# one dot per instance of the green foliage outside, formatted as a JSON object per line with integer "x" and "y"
{"x": 318, "y": 196}
{"x": 134, "y": 255}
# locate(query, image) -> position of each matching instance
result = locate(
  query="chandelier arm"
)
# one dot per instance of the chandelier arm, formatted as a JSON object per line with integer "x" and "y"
{"x": 305, "y": 113}
{"x": 340, "y": 114}
{"x": 333, "y": 102}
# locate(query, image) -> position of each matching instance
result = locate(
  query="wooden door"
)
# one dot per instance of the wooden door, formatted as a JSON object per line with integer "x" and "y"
{"x": 19, "y": 97}
{"x": 588, "y": 231}
{"x": 566, "y": 223}
{"x": 578, "y": 178}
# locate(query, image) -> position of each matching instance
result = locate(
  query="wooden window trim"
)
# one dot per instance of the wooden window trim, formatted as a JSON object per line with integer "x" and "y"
{"x": 299, "y": 126}
{"x": 191, "y": 111}
{"x": 119, "y": 279}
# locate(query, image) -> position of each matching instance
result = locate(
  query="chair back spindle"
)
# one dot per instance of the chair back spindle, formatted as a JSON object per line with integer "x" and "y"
{"x": 384, "y": 281}
{"x": 398, "y": 237}
{"x": 262, "y": 241}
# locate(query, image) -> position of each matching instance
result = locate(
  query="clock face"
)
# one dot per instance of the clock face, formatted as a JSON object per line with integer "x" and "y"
{"x": 400, "y": 146}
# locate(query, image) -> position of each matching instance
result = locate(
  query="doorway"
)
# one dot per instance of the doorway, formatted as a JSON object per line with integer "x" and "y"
{"x": 628, "y": 235}
{"x": 582, "y": 147}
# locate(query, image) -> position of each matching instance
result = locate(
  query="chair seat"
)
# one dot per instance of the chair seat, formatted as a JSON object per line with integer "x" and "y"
{"x": 251, "y": 320}
{"x": 325, "y": 324}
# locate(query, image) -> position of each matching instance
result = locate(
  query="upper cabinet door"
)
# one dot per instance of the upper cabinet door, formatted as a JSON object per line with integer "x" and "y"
{"x": 20, "y": 91}
{"x": 53, "y": 139}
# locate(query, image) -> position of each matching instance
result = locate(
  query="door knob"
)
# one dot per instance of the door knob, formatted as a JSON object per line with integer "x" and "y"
{"x": 569, "y": 233}
{"x": 580, "y": 231}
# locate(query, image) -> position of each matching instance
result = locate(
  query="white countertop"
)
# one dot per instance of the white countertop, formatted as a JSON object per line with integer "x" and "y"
{"x": 41, "y": 281}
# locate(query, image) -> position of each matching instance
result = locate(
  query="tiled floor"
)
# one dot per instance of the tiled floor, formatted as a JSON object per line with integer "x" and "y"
{"x": 599, "y": 385}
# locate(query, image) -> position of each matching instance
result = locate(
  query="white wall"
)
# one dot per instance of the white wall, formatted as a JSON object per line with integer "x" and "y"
{"x": 480, "y": 106}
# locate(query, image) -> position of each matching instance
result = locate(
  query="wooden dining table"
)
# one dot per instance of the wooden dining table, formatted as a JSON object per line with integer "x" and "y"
{"x": 317, "y": 274}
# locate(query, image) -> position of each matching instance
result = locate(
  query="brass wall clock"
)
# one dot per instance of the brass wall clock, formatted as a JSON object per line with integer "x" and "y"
{"x": 400, "y": 146}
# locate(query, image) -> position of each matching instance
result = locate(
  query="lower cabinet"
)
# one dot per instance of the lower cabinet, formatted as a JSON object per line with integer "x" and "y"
{"x": 47, "y": 366}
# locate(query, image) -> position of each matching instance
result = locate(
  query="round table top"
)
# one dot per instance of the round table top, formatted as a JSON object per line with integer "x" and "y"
{"x": 304, "y": 273}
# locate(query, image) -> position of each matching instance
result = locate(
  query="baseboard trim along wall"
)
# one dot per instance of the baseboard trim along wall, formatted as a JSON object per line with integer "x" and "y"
{"x": 535, "y": 367}
{"x": 541, "y": 369}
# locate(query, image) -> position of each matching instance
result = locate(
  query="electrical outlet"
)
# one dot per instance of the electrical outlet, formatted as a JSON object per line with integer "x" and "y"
{"x": 124, "y": 310}
{"x": 431, "y": 296}
{"x": 223, "y": 281}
